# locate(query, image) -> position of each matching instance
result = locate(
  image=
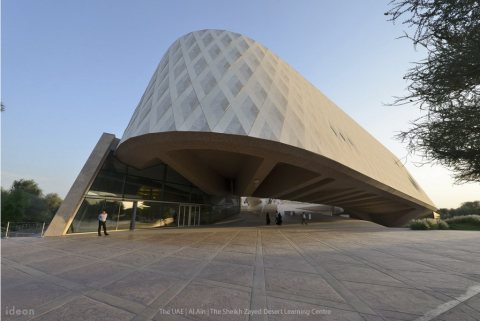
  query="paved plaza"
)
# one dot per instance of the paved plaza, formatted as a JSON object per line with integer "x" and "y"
{"x": 333, "y": 270}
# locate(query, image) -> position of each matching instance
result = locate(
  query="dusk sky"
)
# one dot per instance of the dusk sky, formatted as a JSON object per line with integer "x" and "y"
{"x": 72, "y": 70}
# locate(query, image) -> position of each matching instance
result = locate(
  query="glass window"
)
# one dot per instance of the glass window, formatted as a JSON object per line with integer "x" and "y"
{"x": 154, "y": 214}
{"x": 174, "y": 177}
{"x": 86, "y": 219}
{"x": 177, "y": 193}
{"x": 138, "y": 187}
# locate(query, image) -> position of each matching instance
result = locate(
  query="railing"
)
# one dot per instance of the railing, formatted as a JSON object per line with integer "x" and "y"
{"x": 23, "y": 229}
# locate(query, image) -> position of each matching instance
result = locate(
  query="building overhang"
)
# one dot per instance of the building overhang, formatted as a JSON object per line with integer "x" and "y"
{"x": 247, "y": 166}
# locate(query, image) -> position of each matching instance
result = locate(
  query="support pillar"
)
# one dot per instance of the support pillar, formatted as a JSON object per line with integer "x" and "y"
{"x": 134, "y": 216}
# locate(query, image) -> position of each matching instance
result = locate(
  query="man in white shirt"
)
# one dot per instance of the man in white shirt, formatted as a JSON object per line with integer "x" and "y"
{"x": 304, "y": 219}
{"x": 102, "y": 221}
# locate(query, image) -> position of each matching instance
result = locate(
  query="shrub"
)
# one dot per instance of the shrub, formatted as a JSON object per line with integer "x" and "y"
{"x": 442, "y": 225}
{"x": 419, "y": 225}
{"x": 432, "y": 223}
{"x": 428, "y": 224}
{"x": 467, "y": 222}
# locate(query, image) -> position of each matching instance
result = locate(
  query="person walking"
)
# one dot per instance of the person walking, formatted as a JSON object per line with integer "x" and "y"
{"x": 279, "y": 219}
{"x": 304, "y": 218}
{"x": 102, "y": 221}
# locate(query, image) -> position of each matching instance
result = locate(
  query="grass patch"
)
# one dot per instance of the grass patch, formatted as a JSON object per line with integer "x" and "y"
{"x": 467, "y": 222}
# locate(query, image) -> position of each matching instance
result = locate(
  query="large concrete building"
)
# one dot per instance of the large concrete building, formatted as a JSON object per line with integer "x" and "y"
{"x": 224, "y": 117}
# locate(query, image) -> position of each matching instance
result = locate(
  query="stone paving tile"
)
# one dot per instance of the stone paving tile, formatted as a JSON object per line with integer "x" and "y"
{"x": 175, "y": 266}
{"x": 11, "y": 249}
{"x": 32, "y": 294}
{"x": 438, "y": 280}
{"x": 241, "y": 248}
{"x": 86, "y": 309}
{"x": 196, "y": 253}
{"x": 457, "y": 266}
{"x": 137, "y": 258}
{"x": 38, "y": 254}
{"x": 279, "y": 250}
{"x": 362, "y": 274}
{"x": 285, "y": 310}
{"x": 60, "y": 264}
{"x": 198, "y": 297}
{"x": 125, "y": 272}
{"x": 289, "y": 262}
{"x": 206, "y": 246}
{"x": 474, "y": 302}
{"x": 228, "y": 273}
{"x": 140, "y": 286}
{"x": 12, "y": 276}
{"x": 332, "y": 257}
{"x": 405, "y": 300}
{"x": 393, "y": 263}
{"x": 460, "y": 312}
{"x": 93, "y": 274}
{"x": 235, "y": 257}
{"x": 102, "y": 252}
{"x": 305, "y": 284}
{"x": 398, "y": 316}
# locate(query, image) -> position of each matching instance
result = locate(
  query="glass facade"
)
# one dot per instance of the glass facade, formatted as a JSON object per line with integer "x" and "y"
{"x": 163, "y": 198}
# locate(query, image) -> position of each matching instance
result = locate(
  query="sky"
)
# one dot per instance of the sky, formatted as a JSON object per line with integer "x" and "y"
{"x": 72, "y": 70}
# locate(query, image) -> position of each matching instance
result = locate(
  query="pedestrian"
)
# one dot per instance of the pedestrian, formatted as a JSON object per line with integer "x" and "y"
{"x": 279, "y": 219}
{"x": 267, "y": 217}
{"x": 304, "y": 218}
{"x": 102, "y": 221}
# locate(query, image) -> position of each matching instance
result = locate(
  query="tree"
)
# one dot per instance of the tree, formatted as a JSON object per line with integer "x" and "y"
{"x": 467, "y": 208}
{"x": 446, "y": 85}
{"x": 53, "y": 202}
{"x": 28, "y": 186}
{"x": 24, "y": 202}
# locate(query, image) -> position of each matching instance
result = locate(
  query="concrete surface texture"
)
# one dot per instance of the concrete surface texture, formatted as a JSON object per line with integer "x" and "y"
{"x": 66, "y": 213}
{"x": 232, "y": 117}
{"x": 339, "y": 269}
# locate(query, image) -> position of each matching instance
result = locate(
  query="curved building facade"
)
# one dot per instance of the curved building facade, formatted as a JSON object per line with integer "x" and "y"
{"x": 233, "y": 118}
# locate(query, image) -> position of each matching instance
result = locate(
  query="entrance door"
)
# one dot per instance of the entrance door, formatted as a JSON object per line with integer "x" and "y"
{"x": 188, "y": 215}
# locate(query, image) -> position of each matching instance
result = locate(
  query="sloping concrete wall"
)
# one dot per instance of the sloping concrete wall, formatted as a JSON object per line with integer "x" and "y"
{"x": 66, "y": 213}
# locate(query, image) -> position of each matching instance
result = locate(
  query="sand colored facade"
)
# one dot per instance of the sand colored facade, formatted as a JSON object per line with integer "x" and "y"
{"x": 232, "y": 117}
{"x": 224, "y": 117}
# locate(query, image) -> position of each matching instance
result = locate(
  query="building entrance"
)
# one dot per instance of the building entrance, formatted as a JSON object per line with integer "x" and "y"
{"x": 188, "y": 215}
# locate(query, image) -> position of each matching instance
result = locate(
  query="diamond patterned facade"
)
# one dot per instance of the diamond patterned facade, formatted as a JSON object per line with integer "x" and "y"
{"x": 215, "y": 81}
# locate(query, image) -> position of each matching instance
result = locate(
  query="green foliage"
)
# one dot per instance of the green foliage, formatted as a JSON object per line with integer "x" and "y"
{"x": 467, "y": 222}
{"x": 24, "y": 202}
{"x": 428, "y": 224}
{"x": 442, "y": 225}
{"x": 466, "y": 208}
{"x": 446, "y": 85}
{"x": 419, "y": 225}
{"x": 27, "y": 185}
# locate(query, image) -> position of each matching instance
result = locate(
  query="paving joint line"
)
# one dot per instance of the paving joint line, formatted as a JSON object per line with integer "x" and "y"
{"x": 350, "y": 298}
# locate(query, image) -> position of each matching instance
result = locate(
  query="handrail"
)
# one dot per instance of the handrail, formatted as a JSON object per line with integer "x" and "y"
{"x": 24, "y": 229}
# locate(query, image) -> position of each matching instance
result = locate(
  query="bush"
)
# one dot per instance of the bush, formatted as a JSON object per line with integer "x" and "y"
{"x": 467, "y": 222}
{"x": 428, "y": 224}
{"x": 419, "y": 225}
{"x": 442, "y": 225}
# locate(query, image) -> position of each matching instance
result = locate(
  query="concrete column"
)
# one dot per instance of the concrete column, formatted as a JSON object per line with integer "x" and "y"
{"x": 134, "y": 216}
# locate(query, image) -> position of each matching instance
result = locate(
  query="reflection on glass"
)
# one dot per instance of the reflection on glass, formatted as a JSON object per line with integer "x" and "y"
{"x": 159, "y": 192}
